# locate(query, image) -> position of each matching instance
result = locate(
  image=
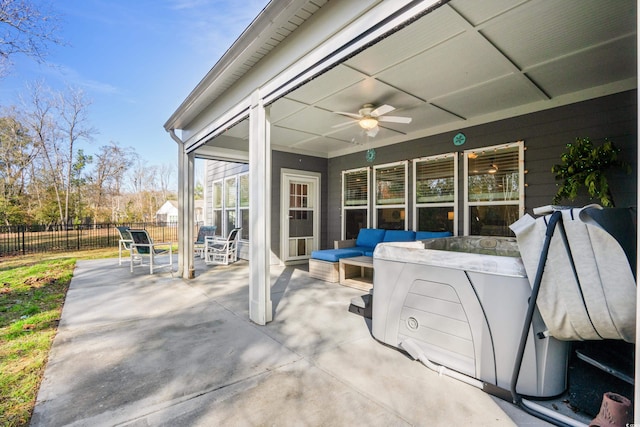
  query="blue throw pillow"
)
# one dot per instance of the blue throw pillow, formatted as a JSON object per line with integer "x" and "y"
{"x": 399, "y": 236}
{"x": 370, "y": 237}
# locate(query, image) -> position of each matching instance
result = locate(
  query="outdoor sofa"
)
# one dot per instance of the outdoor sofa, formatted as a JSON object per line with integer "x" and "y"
{"x": 324, "y": 264}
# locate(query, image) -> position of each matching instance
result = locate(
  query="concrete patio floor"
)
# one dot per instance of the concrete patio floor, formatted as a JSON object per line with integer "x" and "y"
{"x": 139, "y": 349}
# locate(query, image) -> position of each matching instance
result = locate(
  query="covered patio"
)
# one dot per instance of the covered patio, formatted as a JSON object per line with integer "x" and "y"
{"x": 463, "y": 78}
{"x": 159, "y": 350}
{"x": 277, "y": 99}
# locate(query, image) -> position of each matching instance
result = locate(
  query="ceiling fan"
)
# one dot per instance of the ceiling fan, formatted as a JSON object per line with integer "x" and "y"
{"x": 368, "y": 118}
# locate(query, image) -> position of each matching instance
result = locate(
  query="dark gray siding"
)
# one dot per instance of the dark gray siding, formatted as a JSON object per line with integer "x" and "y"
{"x": 545, "y": 136}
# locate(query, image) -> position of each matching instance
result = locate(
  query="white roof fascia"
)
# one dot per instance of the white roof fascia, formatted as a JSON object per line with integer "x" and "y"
{"x": 230, "y": 118}
{"x": 224, "y": 154}
{"x": 232, "y": 106}
{"x": 249, "y": 41}
{"x": 366, "y": 28}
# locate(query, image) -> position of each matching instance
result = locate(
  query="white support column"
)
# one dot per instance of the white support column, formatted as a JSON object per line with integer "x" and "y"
{"x": 185, "y": 214}
{"x": 260, "y": 308}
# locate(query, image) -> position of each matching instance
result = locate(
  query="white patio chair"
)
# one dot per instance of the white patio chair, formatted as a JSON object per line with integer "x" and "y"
{"x": 124, "y": 244}
{"x": 222, "y": 251}
{"x": 143, "y": 245}
{"x": 204, "y": 231}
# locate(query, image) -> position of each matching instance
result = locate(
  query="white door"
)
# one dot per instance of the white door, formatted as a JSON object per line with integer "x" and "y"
{"x": 300, "y": 223}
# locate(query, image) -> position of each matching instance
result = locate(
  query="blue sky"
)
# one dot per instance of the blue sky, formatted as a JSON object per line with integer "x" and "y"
{"x": 137, "y": 60}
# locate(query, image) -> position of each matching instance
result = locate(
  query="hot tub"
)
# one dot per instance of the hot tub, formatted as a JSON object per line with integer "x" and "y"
{"x": 462, "y": 302}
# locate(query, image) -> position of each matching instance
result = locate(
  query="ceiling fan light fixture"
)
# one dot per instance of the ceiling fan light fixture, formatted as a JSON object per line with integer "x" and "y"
{"x": 368, "y": 123}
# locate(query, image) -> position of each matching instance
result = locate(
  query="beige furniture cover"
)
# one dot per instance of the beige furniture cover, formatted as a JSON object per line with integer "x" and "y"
{"x": 599, "y": 300}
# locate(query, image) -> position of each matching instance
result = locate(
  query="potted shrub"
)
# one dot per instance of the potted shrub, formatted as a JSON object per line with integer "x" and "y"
{"x": 584, "y": 164}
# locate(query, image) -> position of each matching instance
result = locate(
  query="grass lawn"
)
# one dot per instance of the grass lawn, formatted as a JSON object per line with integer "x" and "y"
{"x": 32, "y": 292}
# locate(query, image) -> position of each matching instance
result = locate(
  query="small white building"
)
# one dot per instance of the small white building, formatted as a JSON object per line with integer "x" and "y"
{"x": 168, "y": 213}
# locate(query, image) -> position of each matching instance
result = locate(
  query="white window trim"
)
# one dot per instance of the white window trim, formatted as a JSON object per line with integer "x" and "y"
{"x": 225, "y": 208}
{"x": 375, "y": 190}
{"x": 521, "y": 183}
{"x": 343, "y": 230}
{"x": 213, "y": 202}
{"x": 240, "y": 208}
{"x": 453, "y": 204}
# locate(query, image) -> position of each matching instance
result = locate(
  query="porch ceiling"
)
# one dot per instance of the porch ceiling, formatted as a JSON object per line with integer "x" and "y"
{"x": 466, "y": 63}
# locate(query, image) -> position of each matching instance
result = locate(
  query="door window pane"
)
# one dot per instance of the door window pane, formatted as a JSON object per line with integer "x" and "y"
{"x": 300, "y": 223}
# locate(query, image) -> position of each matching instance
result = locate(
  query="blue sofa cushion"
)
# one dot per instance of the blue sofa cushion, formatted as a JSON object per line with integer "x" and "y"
{"x": 370, "y": 237}
{"x": 422, "y": 235}
{"x": 334, "y": 255}
{"x": 399, "y": 236}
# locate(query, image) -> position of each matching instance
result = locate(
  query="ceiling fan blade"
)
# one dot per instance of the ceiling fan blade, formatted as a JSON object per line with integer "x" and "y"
{"x": 395, "y": 119}
{"x": 383, "y": 109}
{"x": 340, "y": 125}
{"x": 354, "y": 115}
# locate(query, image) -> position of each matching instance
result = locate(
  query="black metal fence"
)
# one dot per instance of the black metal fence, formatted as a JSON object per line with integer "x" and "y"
{"x": 36, "y": 238}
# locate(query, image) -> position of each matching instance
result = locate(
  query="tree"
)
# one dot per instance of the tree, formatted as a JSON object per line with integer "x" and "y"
{"x": 165, "y": 172}
{"x": 17, "y": 152}
{"x": 25, "y": 30}
{"x": 105, "y": 182}
{"x": 57, "y": 122}
{"x": 198, "y": 191}
{"x": 73, "y": 124}
{"x": 40, "y": 117}
{"x": 79, "y": 181}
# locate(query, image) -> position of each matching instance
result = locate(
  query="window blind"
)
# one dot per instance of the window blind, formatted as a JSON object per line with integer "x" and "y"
{"x": 435, "y": 180}
{"x": 356, "y": 188}
{"x": 494, "y": 175}
{"x": 217, "y": 195}
{"x": 244, "y": 191}
{"x": 390, "y": 185}
{"x": 230, "y": 193}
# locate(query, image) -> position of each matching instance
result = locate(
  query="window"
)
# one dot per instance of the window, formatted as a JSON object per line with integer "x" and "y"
{"x": 391, "y": 196}
{"x": 355, "y": 202}
{"x": 435, "y": 188}
{"x": 494, "y": 189}
{"x": 230, "y": 197}
{"x": 244, "y": 206}
{"x": 216, "y": 195}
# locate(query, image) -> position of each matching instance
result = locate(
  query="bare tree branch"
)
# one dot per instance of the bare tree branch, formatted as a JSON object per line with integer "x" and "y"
{"x": 25, "y": 29}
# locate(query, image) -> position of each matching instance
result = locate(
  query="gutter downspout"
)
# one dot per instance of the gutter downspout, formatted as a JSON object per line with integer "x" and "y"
{"x": 185, "y": 210}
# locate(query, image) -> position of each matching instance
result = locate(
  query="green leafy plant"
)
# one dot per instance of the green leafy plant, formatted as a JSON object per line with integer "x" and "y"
{"x": 586, "y": 164}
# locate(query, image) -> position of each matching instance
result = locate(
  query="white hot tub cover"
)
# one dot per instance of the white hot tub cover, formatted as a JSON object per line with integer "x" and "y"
{"x": 599, "y": 300}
